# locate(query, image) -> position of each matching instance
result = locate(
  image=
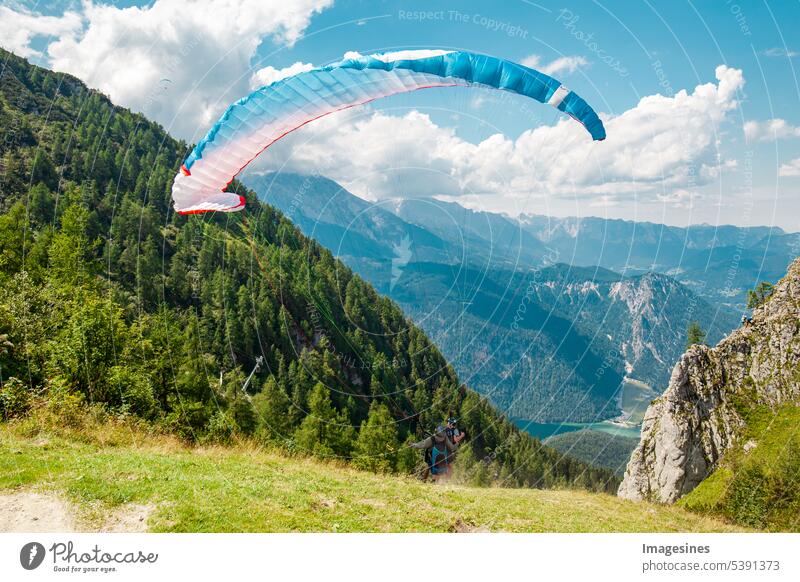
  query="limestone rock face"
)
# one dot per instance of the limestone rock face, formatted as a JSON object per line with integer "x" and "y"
{"x": 686, "y": 431}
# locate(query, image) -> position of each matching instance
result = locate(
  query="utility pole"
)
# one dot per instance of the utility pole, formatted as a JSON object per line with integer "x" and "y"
{"x": 256, "y": 368}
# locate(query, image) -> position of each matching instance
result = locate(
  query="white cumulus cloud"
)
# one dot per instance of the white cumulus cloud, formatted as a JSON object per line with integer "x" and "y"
{"x": 769, "y": 130}
{"x": 269, "y": 74}
{"x": 18, "y": 28}
{"x": 790, "y": 169}
{"x": 559, "y": 66}
{"x": 181, "y": 63}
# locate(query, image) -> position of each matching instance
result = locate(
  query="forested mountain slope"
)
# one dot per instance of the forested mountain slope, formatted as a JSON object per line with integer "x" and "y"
{"x": 109, "y": 298}
{"x": 596, "y": 447}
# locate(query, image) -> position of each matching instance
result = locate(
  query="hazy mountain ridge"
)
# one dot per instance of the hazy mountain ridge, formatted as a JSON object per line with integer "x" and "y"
{"x": 583, "y": 328}
{"x": 717, "y": 262}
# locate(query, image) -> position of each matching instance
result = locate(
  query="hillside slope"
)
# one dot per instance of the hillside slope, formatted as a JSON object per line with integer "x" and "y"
{"x": 728, "y": 404}
{"x": 756, "y": 482}
{"x": 108, "y": 297}
{"x": 112, "y": 469}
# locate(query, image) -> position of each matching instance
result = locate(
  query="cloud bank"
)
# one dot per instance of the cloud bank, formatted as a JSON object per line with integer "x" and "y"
{"x": 178, "y": 63}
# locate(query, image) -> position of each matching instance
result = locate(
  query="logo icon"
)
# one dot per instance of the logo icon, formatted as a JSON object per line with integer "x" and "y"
{"x": 31, "y": 555}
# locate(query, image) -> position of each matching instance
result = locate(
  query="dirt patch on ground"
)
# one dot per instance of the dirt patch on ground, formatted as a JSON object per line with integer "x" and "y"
{"x": 25, "y": 511}
{"x": 130, "y": 518}
{"x": 376, "y": 503}
{"x": 29, "y": 511}
{"x": 323, "y": 503}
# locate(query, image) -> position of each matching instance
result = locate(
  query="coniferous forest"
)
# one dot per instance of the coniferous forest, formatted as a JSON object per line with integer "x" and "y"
{"x": 109, "y": 299}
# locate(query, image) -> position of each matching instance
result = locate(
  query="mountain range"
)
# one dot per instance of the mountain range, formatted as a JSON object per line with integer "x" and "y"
{"x": 720, "y": 263}
{"x": 506, "y": 301}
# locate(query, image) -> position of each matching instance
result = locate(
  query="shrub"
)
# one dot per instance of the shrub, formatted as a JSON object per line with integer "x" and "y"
{"x": 65, "y": 404}
{"x": 136, "y": 391}
{"x": 220, "y": 428}
{"x": 15, "y": 399}
{"x": 748, "y": 496}
{"x": 408, "y": 459}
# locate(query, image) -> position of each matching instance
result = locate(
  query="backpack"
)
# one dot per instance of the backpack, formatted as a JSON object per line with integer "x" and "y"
{"x": 438, "y": 462}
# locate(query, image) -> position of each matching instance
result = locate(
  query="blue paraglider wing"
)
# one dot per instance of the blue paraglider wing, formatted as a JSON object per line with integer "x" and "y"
{"x": 253, "y": 123}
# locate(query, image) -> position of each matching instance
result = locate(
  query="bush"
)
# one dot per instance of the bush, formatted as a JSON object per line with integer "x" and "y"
{"x": 470, "y": 470}
{"x": 408, "y": 459}
{"x": 65, "y": 404}
{"x": 136, "y": 391}
{"x": 763, "y": 496}
{"x": 785, "y": 488}
{"x": 15, "y": 399}
{"x": 220, "y": 428}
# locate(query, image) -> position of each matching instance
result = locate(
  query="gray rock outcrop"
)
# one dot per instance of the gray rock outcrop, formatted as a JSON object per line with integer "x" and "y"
{"x": 686, "y": 431}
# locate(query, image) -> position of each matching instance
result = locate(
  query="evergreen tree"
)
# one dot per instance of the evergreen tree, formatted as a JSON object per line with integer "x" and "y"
{"x": 376, "y": 446}
{"x": 759, "y": 295}
{"x": 324, "y": 432}
{"x": 694, "y": 334}
{"x": 70, "y": 246}
{"x": 272, "y": 407}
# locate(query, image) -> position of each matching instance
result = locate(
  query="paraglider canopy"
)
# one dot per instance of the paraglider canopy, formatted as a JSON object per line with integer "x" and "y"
{"x": 252, "y": 124}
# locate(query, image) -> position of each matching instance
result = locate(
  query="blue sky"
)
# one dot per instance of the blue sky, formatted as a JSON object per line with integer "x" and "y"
{"x": 731, "y": 149}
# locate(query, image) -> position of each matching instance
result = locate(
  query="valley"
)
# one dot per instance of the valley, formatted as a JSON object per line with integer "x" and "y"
{"x": 553, "y": 345}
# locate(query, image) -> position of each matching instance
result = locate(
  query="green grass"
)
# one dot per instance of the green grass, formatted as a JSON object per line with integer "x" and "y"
{"x": 246, "y": 488}
{"x": 759, "y": 487}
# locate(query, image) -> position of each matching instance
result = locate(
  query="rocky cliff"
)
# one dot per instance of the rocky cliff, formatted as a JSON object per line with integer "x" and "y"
{"x": 687, "y": 430}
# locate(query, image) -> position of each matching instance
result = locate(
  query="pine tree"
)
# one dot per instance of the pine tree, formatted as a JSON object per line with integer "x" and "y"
{"x": 376, "y": 447}
{"x": 694, "y": 334}
{"x": 272, "y": 409}
{"x": 69, "y": 249}
{"x": 758, "y": 296}
{"x": 324, "y": 432}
